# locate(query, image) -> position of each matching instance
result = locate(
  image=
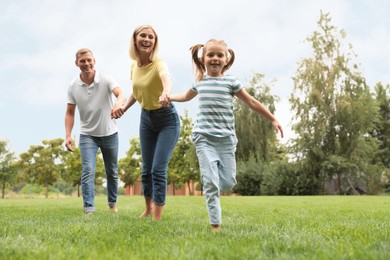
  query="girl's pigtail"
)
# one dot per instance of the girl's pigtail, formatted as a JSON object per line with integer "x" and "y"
{"x": 200, "y": 68}
{"x": 230, "y": 62}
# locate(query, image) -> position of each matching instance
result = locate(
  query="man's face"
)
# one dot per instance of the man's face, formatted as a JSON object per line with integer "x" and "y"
{"x": 86, "y": 62}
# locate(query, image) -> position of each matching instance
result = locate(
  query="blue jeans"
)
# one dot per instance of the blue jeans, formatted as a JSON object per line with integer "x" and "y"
{"x": 89, "y": 146}
{"x": 159, "y": 132}
{"x": 217, "y": 165}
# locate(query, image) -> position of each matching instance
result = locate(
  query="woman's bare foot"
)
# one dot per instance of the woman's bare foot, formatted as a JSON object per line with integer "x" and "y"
{"x": 149, "y": 208}
{"x": 146, "y": 214}
{"x": 158, "y": 210}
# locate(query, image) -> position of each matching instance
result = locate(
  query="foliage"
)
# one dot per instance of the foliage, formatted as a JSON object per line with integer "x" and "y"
{"x": 130, "y": 167}
{"x": 249, "y": 177}
{"x": 39, "y": 164}
{"x": 333, "y": 111}
{"x": 309, "y": 227}
{"x": 382, "y": 133}
{"x": 256, "y": 135}
{"x": 183, "y": 167}
{"x": 73, "y": 168}
{"x": 7, "y": 167}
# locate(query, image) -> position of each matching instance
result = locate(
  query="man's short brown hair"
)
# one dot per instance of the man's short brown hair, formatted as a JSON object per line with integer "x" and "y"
{"x": 82, "y": 51}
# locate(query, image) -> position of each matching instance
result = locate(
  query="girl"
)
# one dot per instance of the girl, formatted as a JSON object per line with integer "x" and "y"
{"x": 214, "y": 134}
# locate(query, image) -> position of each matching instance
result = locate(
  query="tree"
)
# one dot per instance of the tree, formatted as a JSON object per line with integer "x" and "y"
{"x": 130, "y": 167}
{"x": 183, "y": 167}
{"x": 7, "y": 168}
{"x": 41, "y": 163}
{"x": 381, "y": 131}
{"x": 256, "y": 135}
{"x": 333, "y": 111}
{"x": 73, "y": 168}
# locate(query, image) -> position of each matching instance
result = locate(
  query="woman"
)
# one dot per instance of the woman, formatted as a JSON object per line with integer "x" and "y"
{"x": 159, "y": 125}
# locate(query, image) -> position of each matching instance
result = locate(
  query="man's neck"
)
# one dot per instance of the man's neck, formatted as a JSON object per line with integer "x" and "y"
{"x": 87, "y": 78}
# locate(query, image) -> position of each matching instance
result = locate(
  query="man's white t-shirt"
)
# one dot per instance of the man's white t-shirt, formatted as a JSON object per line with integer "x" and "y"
{"x": 94, "y": 103}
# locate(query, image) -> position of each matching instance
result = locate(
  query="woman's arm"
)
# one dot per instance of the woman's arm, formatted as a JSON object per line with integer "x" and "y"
{"x": 117, "y": 110}
{"x": 167, "y": 88}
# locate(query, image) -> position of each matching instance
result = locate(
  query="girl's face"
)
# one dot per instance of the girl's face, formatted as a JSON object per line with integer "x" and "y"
{"x": 215, "y": 58}
{"x": 145, "y": 41}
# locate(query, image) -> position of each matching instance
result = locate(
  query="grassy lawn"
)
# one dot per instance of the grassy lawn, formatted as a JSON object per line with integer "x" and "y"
{"x": 312, "y": 227}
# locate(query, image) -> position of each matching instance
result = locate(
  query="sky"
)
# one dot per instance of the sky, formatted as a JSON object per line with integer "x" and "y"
{"x": 39, "y": 40}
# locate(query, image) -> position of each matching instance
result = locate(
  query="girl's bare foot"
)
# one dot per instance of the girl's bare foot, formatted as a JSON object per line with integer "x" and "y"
{"x": 215, "y": 228}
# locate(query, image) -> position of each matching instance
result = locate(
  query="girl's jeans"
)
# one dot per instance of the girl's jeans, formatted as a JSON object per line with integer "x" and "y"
{"x": 159, "y": 132}
{"x": 89, "y": 146}
{"x": 217, "y": 168}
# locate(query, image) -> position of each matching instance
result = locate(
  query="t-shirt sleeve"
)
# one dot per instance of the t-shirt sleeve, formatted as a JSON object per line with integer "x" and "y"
{"x": 162, "y": 68}
{"x": 194, "y": 87}
{"x": 236, "y": 86}
{"x": 111, "y": 82}
{"x": 70, "y": 98}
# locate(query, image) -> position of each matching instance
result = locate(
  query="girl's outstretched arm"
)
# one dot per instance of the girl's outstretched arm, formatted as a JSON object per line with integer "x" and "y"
{"x": 259, "y": 108}
{"x": 183, "y": 97}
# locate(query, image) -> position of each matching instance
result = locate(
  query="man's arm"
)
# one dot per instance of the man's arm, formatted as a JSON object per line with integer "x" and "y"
{"x": 69, "y": 122}
{"x": 117, "y": 110}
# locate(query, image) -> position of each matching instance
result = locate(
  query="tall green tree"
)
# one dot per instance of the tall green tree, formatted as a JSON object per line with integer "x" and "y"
{"x": 333, "y": 111}
{"x": 256, "y": 135}
{"x": 130, "y": 167}
{"x": 7, "y": 168}
{"x": 382, "y": 131}
{"x": 73, "y": 168}
{"x": 42, "y": 163}
{"x": 183, "y": 167}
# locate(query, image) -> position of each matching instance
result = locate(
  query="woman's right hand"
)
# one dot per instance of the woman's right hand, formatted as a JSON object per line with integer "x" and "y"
{"x": 164, "y": 100}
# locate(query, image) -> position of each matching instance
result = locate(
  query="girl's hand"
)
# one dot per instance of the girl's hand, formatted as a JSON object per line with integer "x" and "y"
{"x": 278, "y": 127}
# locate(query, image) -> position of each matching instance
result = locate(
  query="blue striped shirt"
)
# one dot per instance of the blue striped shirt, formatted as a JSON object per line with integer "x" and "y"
{"x": 215, "y": 116}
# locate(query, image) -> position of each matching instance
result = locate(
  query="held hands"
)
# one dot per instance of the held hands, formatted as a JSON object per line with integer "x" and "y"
{"x": 117, "y": 112}
{"x": 165, "y": 99}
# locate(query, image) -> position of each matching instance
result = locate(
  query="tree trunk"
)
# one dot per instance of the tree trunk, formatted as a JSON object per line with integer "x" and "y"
{"x": 2, "y": 196}
{"x": 189, "y": 188}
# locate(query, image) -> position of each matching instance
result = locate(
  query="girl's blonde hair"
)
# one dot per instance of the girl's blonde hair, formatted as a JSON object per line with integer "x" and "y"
{"x": 198, "y": 61}
{"x": 133, "y": 51}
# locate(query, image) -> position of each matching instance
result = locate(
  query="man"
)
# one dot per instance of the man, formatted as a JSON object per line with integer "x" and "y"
{"x": 92, "y": 92}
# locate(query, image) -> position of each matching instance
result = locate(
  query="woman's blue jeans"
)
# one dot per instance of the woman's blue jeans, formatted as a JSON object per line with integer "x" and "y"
{"x": 159, "y": 132}
{"x": 217, "y": 165}
{"x": 89, "y": 146}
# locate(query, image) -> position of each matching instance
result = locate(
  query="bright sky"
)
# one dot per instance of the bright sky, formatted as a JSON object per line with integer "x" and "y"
{"x": 39, "y": 40}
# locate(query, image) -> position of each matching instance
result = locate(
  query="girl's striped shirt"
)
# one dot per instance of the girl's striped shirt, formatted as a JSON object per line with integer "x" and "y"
{"x": 215, "y": 116}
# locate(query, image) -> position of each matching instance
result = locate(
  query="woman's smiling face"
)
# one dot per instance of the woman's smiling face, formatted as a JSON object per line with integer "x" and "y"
{"x": 145, "y": 41}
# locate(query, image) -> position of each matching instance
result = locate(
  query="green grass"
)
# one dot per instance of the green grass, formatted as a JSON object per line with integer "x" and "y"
{"x": 312, "y": 227}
